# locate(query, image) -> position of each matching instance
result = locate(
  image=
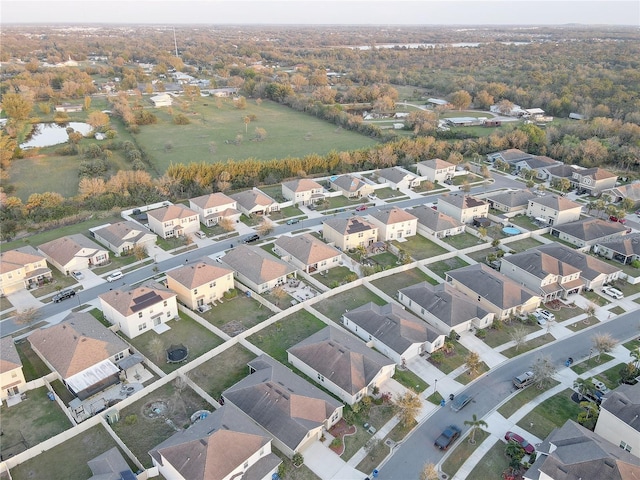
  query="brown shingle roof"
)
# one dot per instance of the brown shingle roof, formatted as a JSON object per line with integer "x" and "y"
{"x": 127, "y": 302}
{"x": 393, "y": 215}
{"x": 556, "y": 202}
{"x": 62, "y": 250}
{"x": 256, "y": 264}
{"x": 212, "y": 200}
{"x": 349, "y": 226}
{"x": 302, "y": 185}
{"x": 306, "y": 248}
{"x": 437, "y": 164}
{"x": 9, "y": 358}
{"x": 172, "y": 212}
{"x": 194, "y": 275}
{"x": 462, "y": 201}
{"x": 434, "y": 220}
{"x": 249, "y": 199}
{"x": 11, "y": 260}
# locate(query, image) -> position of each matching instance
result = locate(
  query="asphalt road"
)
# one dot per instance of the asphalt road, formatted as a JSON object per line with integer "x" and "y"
{"x": 418, "y": 449}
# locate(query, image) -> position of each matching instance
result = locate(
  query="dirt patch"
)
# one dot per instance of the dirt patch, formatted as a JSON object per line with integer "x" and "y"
{"x": 233, "y": 328}
{"x": 155, "y": 409}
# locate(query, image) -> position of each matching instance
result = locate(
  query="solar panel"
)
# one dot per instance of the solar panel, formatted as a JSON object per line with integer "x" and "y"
{"x": 357, "y": 226}
{"x": 147, "y": 302}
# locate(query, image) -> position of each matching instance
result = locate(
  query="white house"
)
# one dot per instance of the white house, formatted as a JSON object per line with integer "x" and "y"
{"x": 214, "y": 207}
{"x": 173, "y": 221}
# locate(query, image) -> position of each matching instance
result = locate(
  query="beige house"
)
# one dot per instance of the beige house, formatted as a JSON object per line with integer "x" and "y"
{"x": 348, "y": 233}
{"x": 303, "y": 191}
{"x": 619, "y": 419}
{"x": 398, "y": 177}
{"x": 12, "y": 380}
{"x": 554, "y": 210}
{"x": 122, "y": 237}
{"x": 140, "y": 309}
{"x": 594, "y": 180}
{"x": 394, "y": 223}
{"x": 74, "y": 252}
{"x": 307, "y": 252}
{"x": 341, "y": 363}
{"x": 437, "y": 170}
{"x": 255, "y": 202}
{"x": 173, "y": 221}
{"x": 200, "y": 283}
{"x": 434, "y": 223}
{"x": 351, "y": 186}
{"x": 631, "y": 191}
{"x": 257, "y": 269}
{"x": 214, "y": 207}
{"x": 22, "y": 268}
{"x": 588, "y": 231}
{"x": 162, "y": 100}
{"x": 462, "y": 207}
{"x": 511, "y": 200}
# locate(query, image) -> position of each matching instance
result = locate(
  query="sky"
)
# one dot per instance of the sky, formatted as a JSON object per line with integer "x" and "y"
{"x": 329, "y": 12}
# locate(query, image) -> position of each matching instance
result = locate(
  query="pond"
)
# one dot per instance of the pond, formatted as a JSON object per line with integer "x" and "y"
{"x": 48, "y": 134}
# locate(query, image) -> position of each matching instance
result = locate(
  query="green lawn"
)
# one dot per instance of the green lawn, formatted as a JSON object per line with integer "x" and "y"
{"x": 335, "y": 277}
{"x": 440, "y": 268}
{"x": 410, "y": 380}
{"x": 550, "y": 414}
{"x": 390, "y": 284}
{"x": 462, "y": 240}
{"x": 523, "y": 397}
{"x": 524, "y": 244}
{"x": 355, "y": 297}
{"x": 582, "y": 324}
{"x": 376, "y": 415}
{"x": 461, "y": 453}
{"x": 481, "y": 255}
{"x": 237, "y": 314}
{"x": 499, "y": 336}
{"x": 632, "y": 344}
{"x": 452, "y": 360}
{"x": 385, "y": 260}
{"x": 596, "y": 299}
{"x": 492, "y": 465}
{"x": 529, "y": 345}
{"x": 611, "y": 377}
{"x": 466, "y": 377}
{"x": 32, "y": 365}
{"x": 419, "y": 247}
{"x": 277, "y": 338}
{"x": 524, "y": 222}
{"x": 588, "y": 364}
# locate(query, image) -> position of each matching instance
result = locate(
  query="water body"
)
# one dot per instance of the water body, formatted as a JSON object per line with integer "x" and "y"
{"x": 48, "y": 134}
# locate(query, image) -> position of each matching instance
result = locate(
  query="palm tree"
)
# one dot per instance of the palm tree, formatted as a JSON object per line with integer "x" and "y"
{"x": 635, "y": 354}
{"x": 475, "y": 424}
{"x": 585, "y": 388}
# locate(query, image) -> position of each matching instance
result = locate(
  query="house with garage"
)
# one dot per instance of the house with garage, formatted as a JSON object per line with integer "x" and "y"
{"x": 302, "y": 191}
{"x": 554, "y": 210}
{"x": 293, "y": 412}
{"x": 494, "y": 291}
{"x": 444, "y": 308}
{"x": 23, "y": 268}
{"x": 173, "y": 221}
{"x": 351, "y": 186}
{"x": 348, "y": 233}
{"x": 588, "y": 231}
{"x": 398, "y": 178}
{"x": 341, "y": 363}
{"x": 393, "y": 331}
{"x": 122, "y": 237}
{"x": 214, "y": 207}
{"x": 255, "y": 202}
{"x": 622, "y": 249}
{"x": 224, "y": 445}
{"x": 436, "y": 170}
{"x": 137, "y": 310}
{"x": 593, "y": 180}
{"x": 257, "y": 269}
{"x": 619, "y": 193}
{"x": 511, "y": 201}
{"x": 200, "y": 283}
{"x": 538, "y": 164}
{"x": 431, "y": 222}
{"x": 83, "y": 352}
{"x": 619, "y": 418}
{"x": 12, "y": 380}
{"x": 558, "y": 172}
{"x": 510, "y": 156}
{"x": 394, "y": 223}
{"x": 307, "y": 253}
{"x": 74, "y": 252}
{"x": 464, "y": 208}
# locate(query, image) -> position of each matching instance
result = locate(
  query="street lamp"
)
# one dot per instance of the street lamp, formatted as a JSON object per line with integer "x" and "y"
{"x": 435, "y": 386}
{"x": 590, "y": 353}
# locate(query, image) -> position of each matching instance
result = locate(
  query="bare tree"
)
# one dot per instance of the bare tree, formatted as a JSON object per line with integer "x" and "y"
{"x": 518, "y": 335}
{"x": 265, "y": 228}
{"x": 429, "y": 472}
{"x": 603, "y": 343}
{"x": 156, "y": 347}
{"x": 543, "y": 370}
{"x": 472, "y": 360}
{"x": 408, "y": 405}
{"x": 279, "y": 293}
{"x": 26, "y": 317}
{"x": 226, "y": 224}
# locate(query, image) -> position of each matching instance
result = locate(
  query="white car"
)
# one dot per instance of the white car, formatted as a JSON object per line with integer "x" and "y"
{"x": 547, "y": 315}
{"x": 115, "y": 276}
{"x": 372, "y": 196}
{"x": 613, "y": 292}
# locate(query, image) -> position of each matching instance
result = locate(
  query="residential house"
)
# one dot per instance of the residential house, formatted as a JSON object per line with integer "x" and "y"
{"x": 494, "y": 291}
{"x": 348, "y": 233}
{"x": 463, "y": 207}
{"x": 435, "y": 223}
{"x": 437, "y": 170}
{"x": 630, "y": 191}
{"x": 110, "y": 465}
{"x": 303, "y": 191}
{"x": 341, "y": 363}
{"x": 22, "y": 268}
{"x": 593, "y": 180}
{"x": 74, "y": 252}
{"x": 200, "y": 283}
{"x": 622, "y": 249}
{"x": 173, "y": 221}
{"x": 214, "y": 207}
{"x": 257, "y": 269}
{"x": 12, "y": 380}
{"x": 307, "y": 252}
{"x": 574, "y": 452}
{"x": 140, "y": 309}
{"x": 225, "y": 445}
{"x": 161, "y": 100}
{"x": 393, "y": 331}
{"x": 291, "y": 410}
{"x": 538, "y": 164}
{"x": 123, "y": 237}
{"x": 255, "y": 202}
{"x": 512, "y": 155}
{"x": 69, "y": 108}
{"x": 511, "y": 200}
{"x": 397, "y": 178}
{"x": 394, "y": 223}
{"x": 350, "y": 186}
{"x": 588, "y": 231}
{"x": 619, "y": 418}
{"x": 83, "y": 352}
{"x": 559, "y": 172}
{"x": 445, "y": 308}
{"x": 554, "y": 210}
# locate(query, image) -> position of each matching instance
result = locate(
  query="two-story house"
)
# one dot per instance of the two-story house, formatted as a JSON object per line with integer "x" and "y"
{"x": 12, "y": 380}
{"x": 74, "y": 252}
{"x": 398, "y": 177}
{"x": 200, "y": 283}
{"x": 394, "y": 223}
{"x": 593, "y": 180}
{"x": 173, "y": 221}
{"x": 463, "y": 207}
{"x": 122, "y": 237}
{"x": 214, "y": 207}
{"x": 436, "y": 170}
{"x": 348, "y": 233}
{"x": 434, "y": 223}
{"x": 22, "y": 269}
{"x": 307, "y": 252}
{"x": 351, "y": 186}
{"x": 554, "y": 210}
{"x": 619, "y": 418}
{"x": 303, "y": 191}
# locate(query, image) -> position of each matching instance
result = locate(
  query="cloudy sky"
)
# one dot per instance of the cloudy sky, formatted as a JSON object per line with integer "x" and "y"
{"x": 349, "y": 12}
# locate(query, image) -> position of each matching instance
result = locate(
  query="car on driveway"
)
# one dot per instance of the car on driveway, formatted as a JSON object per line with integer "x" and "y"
{"x": 514, "y": 437}
{"x": 447, "y": 437}
{"x": 77, "y": 275}
{"x": 361, "y": 208}
{"x": 547, "y": 315}
{"x": 460, "y": 402}
{"x": 613, "y": 292}
{"x": 63, "y": 295}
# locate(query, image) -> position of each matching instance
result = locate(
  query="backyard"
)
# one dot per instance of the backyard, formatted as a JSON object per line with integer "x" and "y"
{"x": 523, "y": 244}
{"x": 390, "y": 284}
{"x": 237, "y": 314}
{"x": 462, "y": 240}
{"x": 335, "y": 276}
{"x": 419, "y": 247}
{"x": 442, "y": 267}
{"x": 355, "y": 297}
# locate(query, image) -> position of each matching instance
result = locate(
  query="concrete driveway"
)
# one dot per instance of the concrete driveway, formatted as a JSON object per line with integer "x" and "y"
{"x": 329, "y": 466}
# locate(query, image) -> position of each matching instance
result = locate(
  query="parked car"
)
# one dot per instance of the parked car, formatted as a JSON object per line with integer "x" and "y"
{"x": 293, "y": 221}
{"x": 547, "y": 315}
{"x": 460, "y": 402}
{"x": 447, "y": 437}
{"x": 524, "y": 379}
{"x": 63, "y": 295}
{"x": 115, "y": 276}
{"x": 372, "y": 196}
{"x": 613, "y": 292}
{"x": 600, "y": 386}
{"x": 252, "y": 238}
{"x": 613, "y": 218}
{"x": 541, "y": 321}
{"x": 201, "y": 234}
{"x": 514, "y": 437}
{"x": 77, "y": 275}
{"x": 361, "y": 208}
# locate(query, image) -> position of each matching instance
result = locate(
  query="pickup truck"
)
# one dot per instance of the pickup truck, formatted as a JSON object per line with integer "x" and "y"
{"x": 447, "y": 437}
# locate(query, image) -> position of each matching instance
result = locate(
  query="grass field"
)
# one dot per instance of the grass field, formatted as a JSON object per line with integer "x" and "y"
{"x": 462, "y": 452}
{"x": 493, "y": 463}
{"x": 551, "y": 413}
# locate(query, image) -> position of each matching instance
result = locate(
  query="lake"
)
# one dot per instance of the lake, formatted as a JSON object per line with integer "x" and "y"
{"x": 48, "y": 134}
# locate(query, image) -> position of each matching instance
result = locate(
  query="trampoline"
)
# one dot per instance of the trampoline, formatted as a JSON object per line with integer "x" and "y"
{"x": 177, "y": 353}
{"x": 511, "y": 231}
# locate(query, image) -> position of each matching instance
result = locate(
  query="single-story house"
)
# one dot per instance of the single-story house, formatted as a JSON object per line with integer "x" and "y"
{"x": 538, "y": 164}
{"x": 397, "y": 178}
{"x": 307, "y": 252}
{"x": 122, "y": 237}
{"x": 351, "y": 186}
{"x": 257, "y": 269}
{"x": 200, "y": 283}
{"x": 511, "y": 200}
{"x": 162, "y": 100}
{"x": 463, "y": 207}
{"x": 255, "y": 202}
{"x": 394, "y": 223}
{"x": 588, "y": 231}
{"x": 173, "y": 221}
{"x": 22, "y": 268}
{"x": 292, "y": 411}
{"x": 214, "y": 207}
{"x": 630, "y": 191}
{"x": 622, "y": 249}
{"x": 341, "y": 363}
{"x": 511, "y": 155}
{"x": 303, "y": 191}
{"x": 434, "y": 223}
{"x": 554, "y": 210}
{"x": 12, "y": 380}
{"x": 436, "y": 170}
{"x": 74, "y": 252}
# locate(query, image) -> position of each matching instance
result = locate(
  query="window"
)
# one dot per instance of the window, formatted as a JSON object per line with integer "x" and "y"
{"x": 195, "y": 292}
{"x": 139, "y": 314}
{"x": 321, "y": 378}
{"x": 168, "y": 314}
{"x": 142, "y": 326}
{"x": 625, "y": 446}
{"x": 246, "y": 465}
{"x": 165, "y": 302}
{"x": 118, "y": 356}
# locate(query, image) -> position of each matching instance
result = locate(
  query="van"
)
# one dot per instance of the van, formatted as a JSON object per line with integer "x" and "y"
{"x": 201, "y": 234}
{"x": 115, "y": 276}
{"x": 523, "y": 380}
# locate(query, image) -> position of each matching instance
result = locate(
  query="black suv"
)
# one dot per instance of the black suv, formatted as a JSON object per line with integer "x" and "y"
{"x": 252, "y": 238}
{"x": 63, "y": 295}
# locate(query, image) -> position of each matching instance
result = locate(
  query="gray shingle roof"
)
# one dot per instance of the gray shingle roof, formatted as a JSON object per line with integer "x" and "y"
{"x": 302, "y": 185}
{"x": 512, "y": 198}
{"x": 395, "y": 174}
{"x": 62, "y": 250}
{"x": 434, "y": 220}
{"x": 256, "y": 264}
{"x": 461, "y": 200}
{"x": 9, "y": 358}
{"x": 540, "y": 264}
{"x": 121, "y": 232}
{"x": 437, "y": 164}
{"x": 249, "y": 199}
{"x": 590, "y": 229}
{"x": 562, "y": 171}
{"x": 556, "y": 202}
{"x": 212, "y": 200}
{"x": 349, "y": 226}
{"x": 589, "y": 266}
{"x": 624, "y": 403}
{"x": 513, "y": 155}
{"x": 348, "y": 183}
{"x": 306, "y": 248}
{"x": 627, "y": 245}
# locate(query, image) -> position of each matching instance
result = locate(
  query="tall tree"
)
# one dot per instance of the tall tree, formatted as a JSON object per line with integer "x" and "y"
{"x": 476, "y": 424}
{"x": 16, "y": 106}
{"x": 603, "y": 343}
{"x": 460, "y": 99}
{"x": 408, "y": 405}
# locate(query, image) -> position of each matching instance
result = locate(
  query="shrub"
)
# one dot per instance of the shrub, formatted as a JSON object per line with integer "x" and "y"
{"x": 131, "y": 419}
{"x": 181, "y": 119}
{"x": 298, "y": 459}
{"x": 233, "y": 293}
{"x": 336, "y": 442}
{"x": 481, "y": 333}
